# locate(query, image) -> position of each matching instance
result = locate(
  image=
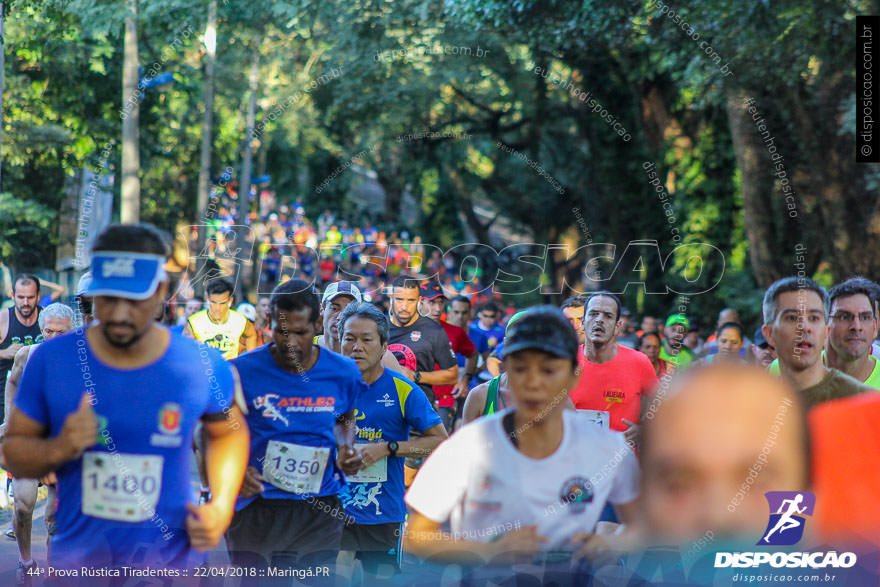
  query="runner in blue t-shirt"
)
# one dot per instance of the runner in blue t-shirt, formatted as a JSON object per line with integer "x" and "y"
{"x": 385, "y": 412}
{"x": 300, "y": 400}
{"x": 486, "y": 333}
{"x": 111, "y": 409}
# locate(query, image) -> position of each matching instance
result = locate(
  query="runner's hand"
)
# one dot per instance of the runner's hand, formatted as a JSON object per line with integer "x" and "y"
{"x": 522, "y": 544}
{"x": 49, "y": 479}
{"x": 633, "y": 432}
{"x": 408, "y": 373}
{"x": 592, "y": 546}
{"x": 372, "y": 453}
{"x": 460, "y": 389}
{"x": 80, "y": 429}
{"x": 348, "y": 459}
{"x": 252, "y": 483}
{"x": 206, "y": 524}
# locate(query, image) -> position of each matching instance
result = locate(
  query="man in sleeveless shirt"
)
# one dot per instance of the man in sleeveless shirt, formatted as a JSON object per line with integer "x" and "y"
{"x": 219, "y": 326}
{"x": 18, "y": 326}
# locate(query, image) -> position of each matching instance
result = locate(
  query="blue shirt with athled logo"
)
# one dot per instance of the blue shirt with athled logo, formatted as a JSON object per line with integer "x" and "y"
{"x": 123, "y": 502}
{"x": 296, "y": 409}
{"x": 391, "y": 406}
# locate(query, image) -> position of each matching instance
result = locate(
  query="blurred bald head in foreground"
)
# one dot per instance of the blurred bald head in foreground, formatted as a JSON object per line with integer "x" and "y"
{"x": 720, "y": 439}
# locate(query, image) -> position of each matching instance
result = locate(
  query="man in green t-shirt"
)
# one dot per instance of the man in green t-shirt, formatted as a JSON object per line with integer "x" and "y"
{"x": 796, "y": 324}
{"x": 851, "y": 331}
{"x": 673, "y": 351}
{"x": 853, "y": 328}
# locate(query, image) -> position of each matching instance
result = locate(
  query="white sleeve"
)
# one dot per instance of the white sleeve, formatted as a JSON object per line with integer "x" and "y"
{"x": 625, "y": 484}
{"x": 440, "y": 484}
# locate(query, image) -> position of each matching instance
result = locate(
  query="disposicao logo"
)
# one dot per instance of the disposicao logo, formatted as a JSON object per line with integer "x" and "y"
{"x": 788, "y": 518}
{"x": 786, "y": 526}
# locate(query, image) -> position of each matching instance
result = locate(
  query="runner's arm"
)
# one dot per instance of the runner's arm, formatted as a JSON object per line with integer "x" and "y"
{"x": 464, "y": 377}
{"x": 57, "y": 290}
{"x": 12, "y": 383}
{"x": 347, "y": 458}
{"x": 441, "y": 376}
{"x": 493, "y": 365}
{"x": 475, "y": 403}
{"x": 344, "y": 430}
{"x": 188, "y": 331}
{"x": 227, "y": 445}
{"x": 424, "y": 539}
{"x": 389, "y": 362}
{"x": 248, "y": 340}
{"x": 30, "y": 455}
{"x": 422, "y": 447}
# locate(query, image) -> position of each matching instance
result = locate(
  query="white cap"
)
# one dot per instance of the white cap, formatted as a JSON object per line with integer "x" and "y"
{"x": 247, "y": 310}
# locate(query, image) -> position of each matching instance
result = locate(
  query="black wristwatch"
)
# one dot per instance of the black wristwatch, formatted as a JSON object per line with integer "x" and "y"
{"x": 417, "y": 376}
{"x": 392, "y": 448}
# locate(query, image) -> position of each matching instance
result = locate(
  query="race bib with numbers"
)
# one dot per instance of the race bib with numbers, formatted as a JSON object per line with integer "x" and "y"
{"x": 295, "y": 468}
{"x": 599, "y": 417}
{"x": 122, "y": 487}
{"x": 375, "y": 473}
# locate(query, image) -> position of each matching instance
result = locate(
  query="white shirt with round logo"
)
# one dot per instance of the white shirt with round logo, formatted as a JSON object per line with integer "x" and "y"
{"x": 486, "y": 487}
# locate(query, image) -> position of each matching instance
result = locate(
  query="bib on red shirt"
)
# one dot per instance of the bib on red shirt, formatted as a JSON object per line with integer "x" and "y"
{"x": 613, "y": 390}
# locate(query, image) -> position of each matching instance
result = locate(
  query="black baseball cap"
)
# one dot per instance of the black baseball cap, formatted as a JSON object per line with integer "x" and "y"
{"x": 430, "y": 290}
{"x": 543, "y": 328}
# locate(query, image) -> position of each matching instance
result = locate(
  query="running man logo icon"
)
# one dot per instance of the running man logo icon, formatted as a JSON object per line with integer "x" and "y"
{"x": 786, "y": 525}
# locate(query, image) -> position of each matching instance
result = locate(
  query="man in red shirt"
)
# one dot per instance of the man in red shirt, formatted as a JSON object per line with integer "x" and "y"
{"x": 614, "y": 379}
{"x": 433, "y": 304}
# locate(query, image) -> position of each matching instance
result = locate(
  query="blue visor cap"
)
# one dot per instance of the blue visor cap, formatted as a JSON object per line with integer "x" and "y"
{"x": 124, "y": 274}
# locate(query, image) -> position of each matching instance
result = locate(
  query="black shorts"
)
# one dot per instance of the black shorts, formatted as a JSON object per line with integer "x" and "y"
{"x": 286, "y": 532}
{"x": 375, "y": 545}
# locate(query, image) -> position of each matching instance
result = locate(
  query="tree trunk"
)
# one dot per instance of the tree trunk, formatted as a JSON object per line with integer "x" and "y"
{"x": 131, "y": 187}
{"x": 244, "y": 187}
{"x": 768, "y": 262}
{"x": 204, "y": 188}
{"x": 248, "y": 156}
{"x": 2, "y": 78}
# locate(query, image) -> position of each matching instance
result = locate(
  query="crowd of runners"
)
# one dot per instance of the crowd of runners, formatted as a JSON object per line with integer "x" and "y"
{"x": 331, "y": 432}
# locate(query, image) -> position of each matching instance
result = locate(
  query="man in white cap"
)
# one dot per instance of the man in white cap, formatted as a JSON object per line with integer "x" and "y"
{"x": 337, "y": 296}
{"x": 112, "y": 408}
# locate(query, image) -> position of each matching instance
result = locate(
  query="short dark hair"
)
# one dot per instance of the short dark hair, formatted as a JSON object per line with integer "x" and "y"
{"x": 646, "y": 335}
{"x": 218, "y": 286}
{"x": 368, "y": 311}
{"x": 575, "y": 301}
{"x": 135, "y": 238}
{"x": 854, "y": 286}
{"x": 735, "y": 325}
{"x": 406, "y": 282}
{"x": 489, "y": 306}
{"x": 770, "y": 305}
{"x": 606, "y": 294}
{"x": 462, "y": 299}
{"x": 293, "y": 295}
{"x": 26, "y": 278}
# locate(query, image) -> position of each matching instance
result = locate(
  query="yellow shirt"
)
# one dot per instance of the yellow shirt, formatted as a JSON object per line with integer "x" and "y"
{"x": 223, "y": 337}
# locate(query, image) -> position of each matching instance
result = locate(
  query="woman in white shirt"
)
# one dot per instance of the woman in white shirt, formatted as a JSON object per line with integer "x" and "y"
{"x": 530, "y": 479}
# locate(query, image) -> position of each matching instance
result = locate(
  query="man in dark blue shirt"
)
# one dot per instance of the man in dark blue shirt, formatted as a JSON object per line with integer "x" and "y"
{"x": 393, "y": 404}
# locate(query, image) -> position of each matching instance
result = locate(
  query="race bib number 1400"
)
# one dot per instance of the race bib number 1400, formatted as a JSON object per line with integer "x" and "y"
{"x": 123, "y": 487}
